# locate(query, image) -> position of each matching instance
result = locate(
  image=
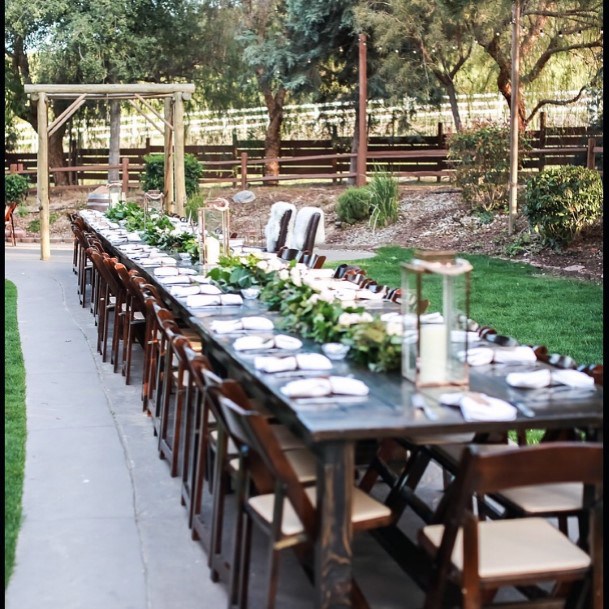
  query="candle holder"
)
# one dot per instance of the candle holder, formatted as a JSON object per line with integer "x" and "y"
{"x": 214, "y": 228}
{"x": 153, "y": 201}
{"x": 433, "y": 352}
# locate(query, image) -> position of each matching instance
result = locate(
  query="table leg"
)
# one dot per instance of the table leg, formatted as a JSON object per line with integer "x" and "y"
{"x": 333, "y": 552}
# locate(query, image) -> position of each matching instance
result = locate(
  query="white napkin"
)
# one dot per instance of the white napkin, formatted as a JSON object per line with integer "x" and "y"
{"x": 133, "y": 237}
{"x": 480, "y": 407}
{"x": 231, "y": 299}
{"x": 183, "y": 290}
{"x": 163, "y": 271}
{"x": 572, "y": 378}
{"x": 186, "y": 271}
{"x": 203, "y": 300}
{"x": 368, "y": 295}
{"x": 174, "y": 280}
{"x": 268, "y": 363}
{"x": 320, "y": 273}
{"x": 477, "y": 356}
{"x": 302, "y": 361}
{"x": 529, "y": 380}
{"x": 522, "y": 353}
{"x": 320, "y": 387}
{"x": 283, "y": 341}
{"x": 209, "y": 289}
{"x": 226, "y": 326}
{"x": 200, "y": 279}
{"x": 245, "y": 343}
{"x": 458, "y": 336}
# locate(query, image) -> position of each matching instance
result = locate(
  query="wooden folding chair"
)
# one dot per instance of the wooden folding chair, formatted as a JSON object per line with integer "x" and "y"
{"x": 480, "y": 557}
{"x": 9, "y": 210}
{"x": 285, "y": 514}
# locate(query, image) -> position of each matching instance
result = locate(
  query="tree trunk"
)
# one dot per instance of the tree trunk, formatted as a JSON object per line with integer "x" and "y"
{"x": 115, "y": 140}
{"x": 272, "y": 140}
{"x": 454, "y": 105}
{"x": 504, "y": 85}
{"x": 57, "y": 157}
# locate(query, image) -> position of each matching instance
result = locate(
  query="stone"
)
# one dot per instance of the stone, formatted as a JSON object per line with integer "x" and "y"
{"x": 576, "y": 268}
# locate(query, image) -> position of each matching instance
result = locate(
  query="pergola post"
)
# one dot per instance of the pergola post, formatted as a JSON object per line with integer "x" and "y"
{"x": 362, "y": 149}
{"x": 178, "y": 145}
{"x": 42, "y": 184}
{"x": 168, "y": 165}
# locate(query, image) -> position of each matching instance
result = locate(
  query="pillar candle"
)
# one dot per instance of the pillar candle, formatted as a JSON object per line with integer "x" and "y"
{"x": 212, "y": 250}
{"x": 432, "y": 354}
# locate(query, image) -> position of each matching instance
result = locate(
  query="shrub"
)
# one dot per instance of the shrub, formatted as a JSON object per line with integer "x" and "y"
{"x": 481, "y": 158}
{"x": 354, "y": 205}
{"x": 561, "y": 201}
{"x": 383, "y": 199}
{"x": 15, "y": 188}
{"x": 153, "y": 177}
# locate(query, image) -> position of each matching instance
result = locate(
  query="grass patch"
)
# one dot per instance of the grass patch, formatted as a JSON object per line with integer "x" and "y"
{"x": 14, "y": 428}
{"x": 565, "y": 315}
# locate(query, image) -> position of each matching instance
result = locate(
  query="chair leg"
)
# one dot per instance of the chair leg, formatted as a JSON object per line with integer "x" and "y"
{"x": 219, "y": 495}
{"x": 245, "y": 563}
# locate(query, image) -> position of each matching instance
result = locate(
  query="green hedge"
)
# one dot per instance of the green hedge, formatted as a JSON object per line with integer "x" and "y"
{"x": 153, "y": 177}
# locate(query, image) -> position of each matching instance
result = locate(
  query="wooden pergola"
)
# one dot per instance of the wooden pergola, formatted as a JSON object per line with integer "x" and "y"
{"x": 137, "y": 95}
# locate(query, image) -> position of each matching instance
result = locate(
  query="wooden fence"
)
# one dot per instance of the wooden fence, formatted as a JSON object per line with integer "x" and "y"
{"x": 243, "y": 163}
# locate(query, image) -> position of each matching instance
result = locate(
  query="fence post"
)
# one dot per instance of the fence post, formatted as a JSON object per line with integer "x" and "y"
{"x": 244, "y": 170}
{"x": 125, "y": 173}
{"x": 541, "y": 163}
{"x": 590, "y": 157}
{"x": 13, "y": 168}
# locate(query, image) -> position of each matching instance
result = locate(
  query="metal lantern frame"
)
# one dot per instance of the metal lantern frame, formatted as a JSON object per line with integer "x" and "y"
{"x": 435, "y": 345}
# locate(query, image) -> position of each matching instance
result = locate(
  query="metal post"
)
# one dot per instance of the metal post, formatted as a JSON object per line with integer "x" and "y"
{"x": 514, "y": 127}
{"x": 362, "y": 149}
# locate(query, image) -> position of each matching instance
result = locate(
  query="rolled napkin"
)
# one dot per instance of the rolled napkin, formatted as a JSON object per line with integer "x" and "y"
{"x": 183, "y": 290}
{"x": 186, "y": 271}
{"x": 165, "y": 271}
{"x": 530, "y": 380}
{"x": 203, "y": 300}
{"x": 522, "y": 353}
{"x": 283, "y": 341}
{"x": 199, "y": 279}
{"x": 133, "y": 237}
{"x": 209, "y": 289}
{"x": 228, "y": 300}
{"x": 458, "y": 336}
{"x": 301, "y": 361}
{"x": 572, "y": 378}
{"x": 272, "y": 364}
{"x": 479, "y": 406}
{"x": 174, "y": 280}
{"x": 477, "y": 356}
{"x": 320, "y": 387}
{"x": 226, "y": 326}
{"x": 246, "y": 343}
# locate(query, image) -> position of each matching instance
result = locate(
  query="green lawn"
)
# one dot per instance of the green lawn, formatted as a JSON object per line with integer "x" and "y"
{"x": 14, "y": 430}
{"x": 565, "y": 315}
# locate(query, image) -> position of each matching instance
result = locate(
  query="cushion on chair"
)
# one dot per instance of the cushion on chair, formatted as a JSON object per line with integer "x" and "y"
{"x": 287, "y": 440}
{"x": 566, "y": 497}
{"x": 272, "y": 228}
{"x": 514, "y": 547}
{"x": 301, "y": 225}
{"x": 363, "y": 508}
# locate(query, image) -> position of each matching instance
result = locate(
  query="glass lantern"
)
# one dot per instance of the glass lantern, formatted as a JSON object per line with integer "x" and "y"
{"x": 435, "y": 309}
{"x": 153, "y": 201}
{"x": 214, "y": 231}
{"x": 115, "y": 191}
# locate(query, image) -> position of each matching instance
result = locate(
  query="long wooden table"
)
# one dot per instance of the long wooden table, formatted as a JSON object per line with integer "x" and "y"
{"x": 332, "y": 432}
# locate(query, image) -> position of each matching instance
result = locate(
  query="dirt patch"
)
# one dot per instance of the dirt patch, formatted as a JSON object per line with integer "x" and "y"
{"x": 431, "y": 216}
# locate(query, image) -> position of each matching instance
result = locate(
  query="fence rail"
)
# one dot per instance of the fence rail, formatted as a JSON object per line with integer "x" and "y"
{"x": 244, "y": 163}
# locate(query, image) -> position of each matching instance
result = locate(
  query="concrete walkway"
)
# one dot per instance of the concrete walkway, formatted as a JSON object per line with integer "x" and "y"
{"x": 103, "y": 527}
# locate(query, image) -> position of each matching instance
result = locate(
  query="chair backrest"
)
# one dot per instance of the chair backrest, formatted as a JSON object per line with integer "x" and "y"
{"x": 278, "y": 230}
{"x": 251, "y": 427}
{"x": 308, "y": 229}
{"x": 9, "y": 210}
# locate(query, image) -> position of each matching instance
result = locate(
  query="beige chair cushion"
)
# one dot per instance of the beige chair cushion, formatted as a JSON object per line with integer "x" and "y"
{"x": 287, "y": 440}
{"x": 363, "y": 508}
{"x": 545, "y": 498}
{"x": 521, "y": 546}
{"x": 231, "y": 448}
{"x": 303, "y": 463}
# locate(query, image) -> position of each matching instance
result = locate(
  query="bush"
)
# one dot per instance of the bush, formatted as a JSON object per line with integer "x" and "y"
{"x": 354, "y": 205}
{"x": 383, "y": 199}
{"x": 153, "y": 177}
{"x": 561, "y": 201}
{"x": 15, "y": 188}
{"x": 481, "y": 158}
